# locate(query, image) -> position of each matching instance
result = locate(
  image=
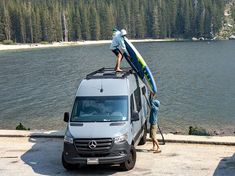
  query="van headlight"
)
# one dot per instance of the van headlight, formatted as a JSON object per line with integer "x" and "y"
{"x": 68, "y": 138}
{"x": 121, "y": 138}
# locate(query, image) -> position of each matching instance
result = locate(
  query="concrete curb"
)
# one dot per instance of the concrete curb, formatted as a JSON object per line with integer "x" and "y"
{"x": 190, "y": 139}
{"x": 36, "y": 134}
{"x": 169, "y": 138}
{"x": 197, "y": 142}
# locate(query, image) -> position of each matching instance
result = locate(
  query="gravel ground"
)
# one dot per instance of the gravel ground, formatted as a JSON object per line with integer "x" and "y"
{"x": 42, "y": 156}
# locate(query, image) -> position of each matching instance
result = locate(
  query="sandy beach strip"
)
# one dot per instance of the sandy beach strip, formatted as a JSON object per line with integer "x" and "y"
{"x": 64, "y": 44}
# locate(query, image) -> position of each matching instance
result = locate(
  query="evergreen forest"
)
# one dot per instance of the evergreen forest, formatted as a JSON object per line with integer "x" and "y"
{"x": 33, "y": 21}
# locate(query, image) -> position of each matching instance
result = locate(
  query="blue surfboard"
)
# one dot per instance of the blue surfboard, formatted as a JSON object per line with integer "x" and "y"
{"x": 137, "y": 62}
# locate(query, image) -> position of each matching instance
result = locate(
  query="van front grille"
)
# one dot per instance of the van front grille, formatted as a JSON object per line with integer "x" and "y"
{"x": 97, "y": 144}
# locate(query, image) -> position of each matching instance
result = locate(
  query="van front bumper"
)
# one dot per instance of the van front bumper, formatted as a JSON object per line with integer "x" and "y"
{"x": 117, "y": 154}
{"x": 100, "y": 160}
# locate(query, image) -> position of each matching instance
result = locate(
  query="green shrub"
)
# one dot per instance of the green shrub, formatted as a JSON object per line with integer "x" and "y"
{"x": 21, "y": 127}
{"x": 7, "y": 42}
{"x": 199, "y": 131}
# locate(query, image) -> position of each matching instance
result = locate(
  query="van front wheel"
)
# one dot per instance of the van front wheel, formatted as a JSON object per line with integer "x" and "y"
{"x": 130, "y": 162}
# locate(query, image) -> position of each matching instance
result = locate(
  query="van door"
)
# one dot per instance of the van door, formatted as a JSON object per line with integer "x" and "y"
{"x": 138, "y": 95}
{"x": 145, "y": 110}
{"x": 135, "y": 125}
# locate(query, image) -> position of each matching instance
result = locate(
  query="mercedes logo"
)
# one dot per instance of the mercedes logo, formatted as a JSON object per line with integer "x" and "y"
{"x": 92, "y": 144}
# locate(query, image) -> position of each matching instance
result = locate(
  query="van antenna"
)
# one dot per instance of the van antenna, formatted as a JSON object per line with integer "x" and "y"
{"x": 101, "y": 89}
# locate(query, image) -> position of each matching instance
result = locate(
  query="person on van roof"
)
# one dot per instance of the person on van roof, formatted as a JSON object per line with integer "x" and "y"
{"x": 154, "y": 105}
{"x": 116, "y": 45}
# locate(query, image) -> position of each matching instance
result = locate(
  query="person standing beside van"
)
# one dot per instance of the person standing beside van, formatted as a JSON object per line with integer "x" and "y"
{"x": 116, "y": 45}
{"x": 154, "y": 105}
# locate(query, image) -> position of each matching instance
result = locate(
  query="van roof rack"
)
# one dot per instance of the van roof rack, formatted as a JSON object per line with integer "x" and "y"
{"x": 105, "y": 73}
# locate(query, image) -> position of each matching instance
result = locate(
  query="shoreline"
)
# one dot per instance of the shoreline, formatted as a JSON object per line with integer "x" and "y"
{"x": 169, "y": 138}
{"x": 19, "y": 46}
{"x": 206, "y": 133}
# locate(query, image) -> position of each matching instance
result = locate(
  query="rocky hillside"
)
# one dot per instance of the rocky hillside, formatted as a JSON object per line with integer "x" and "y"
{"x": 228, "y": 27}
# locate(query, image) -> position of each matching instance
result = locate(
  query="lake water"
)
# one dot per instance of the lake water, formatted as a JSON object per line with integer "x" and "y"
{"x": 196, "y": 83}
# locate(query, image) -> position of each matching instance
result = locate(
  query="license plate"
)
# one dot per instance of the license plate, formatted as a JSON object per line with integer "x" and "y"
{"x": 92, "y": 161}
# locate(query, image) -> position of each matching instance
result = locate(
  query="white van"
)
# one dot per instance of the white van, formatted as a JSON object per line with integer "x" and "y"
{"x": 107, "y": 121}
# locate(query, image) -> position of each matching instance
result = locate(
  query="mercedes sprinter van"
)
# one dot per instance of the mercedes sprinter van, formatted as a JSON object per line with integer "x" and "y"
{"x": 108, "y": 119}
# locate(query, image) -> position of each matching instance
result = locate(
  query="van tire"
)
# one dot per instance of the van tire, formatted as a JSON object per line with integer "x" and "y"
{"x": 131, "y": 159}
{"x": 143, "y": 140}
{"x": 69, "y": 166}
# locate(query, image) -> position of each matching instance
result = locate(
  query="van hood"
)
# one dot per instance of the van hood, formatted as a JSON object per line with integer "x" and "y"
{"x": 98, "y": 129}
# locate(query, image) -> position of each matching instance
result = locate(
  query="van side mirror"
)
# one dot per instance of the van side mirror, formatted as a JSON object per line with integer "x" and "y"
{"x": 135, "y": 116}
{"x": 66, "y": 117}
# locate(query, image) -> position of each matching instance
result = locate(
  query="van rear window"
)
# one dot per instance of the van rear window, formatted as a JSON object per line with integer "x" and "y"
{"x": 100, "y": 109}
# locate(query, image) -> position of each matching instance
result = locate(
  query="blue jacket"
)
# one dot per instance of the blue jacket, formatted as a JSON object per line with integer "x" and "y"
{"x": 153, "y": 112}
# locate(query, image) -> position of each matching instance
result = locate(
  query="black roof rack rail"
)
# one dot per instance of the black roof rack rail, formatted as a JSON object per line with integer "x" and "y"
{"x": 104, "y": 73}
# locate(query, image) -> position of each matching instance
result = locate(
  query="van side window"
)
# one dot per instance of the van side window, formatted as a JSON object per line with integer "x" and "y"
{"x": 132, "y": 104}
{"x": 144, "y": 90}
{"x": 137, "y": 94}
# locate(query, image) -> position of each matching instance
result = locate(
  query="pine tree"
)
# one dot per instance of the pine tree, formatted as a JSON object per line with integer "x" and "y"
{"x": 133, "y": 12}
{"x": 85, "y": 31}
{"x": 172, "y": 17}
{"x": 14, "y": 25}
{"x": 155, "y": 23}
{"x": 187, "y": 21}
{"x": 162, "y": 19}
{"x": 58, "y": 22}
{"x": 106, "y": 21}
{"x": 36, "y": 23}
{"x": 202, "y": 19}
{"x": 94, "y": 24}
{"x": 77, "y": 23}
{"x": 29, "y": 26}
{"x": 217, "y": 16}
{"x": 121, "y": 16}
{"x": 6, "y": 21}
{"x": 126, "y": 23}
{"x": 208, "y": 19}
{"x": 2, "y": 35}
{"x": 50, "y": 20}
{"x": 140, "y": 22}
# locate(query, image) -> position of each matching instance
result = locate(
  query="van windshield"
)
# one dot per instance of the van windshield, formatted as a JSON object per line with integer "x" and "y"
{"x": 100, "y": 109}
